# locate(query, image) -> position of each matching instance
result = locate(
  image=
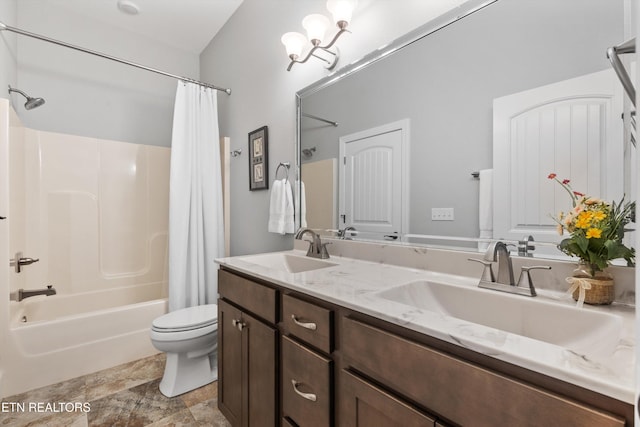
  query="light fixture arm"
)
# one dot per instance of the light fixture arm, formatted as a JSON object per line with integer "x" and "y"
{"x": 325, "y": 48}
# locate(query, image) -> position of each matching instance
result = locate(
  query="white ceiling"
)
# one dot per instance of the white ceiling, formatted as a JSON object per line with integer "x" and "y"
{"x": 186, "y": 24}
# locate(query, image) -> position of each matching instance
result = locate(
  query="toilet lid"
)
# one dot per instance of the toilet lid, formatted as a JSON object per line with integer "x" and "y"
{"x": 187, "y": 318}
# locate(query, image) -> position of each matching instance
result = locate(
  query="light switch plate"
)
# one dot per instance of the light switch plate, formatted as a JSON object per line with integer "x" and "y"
{"x": 442, "y": 214}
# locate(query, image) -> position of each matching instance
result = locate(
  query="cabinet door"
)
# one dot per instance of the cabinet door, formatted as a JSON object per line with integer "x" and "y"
{"x": 365, "y": 405}
{"x": 260, "y": 341}
{"x": 230, "y": 355}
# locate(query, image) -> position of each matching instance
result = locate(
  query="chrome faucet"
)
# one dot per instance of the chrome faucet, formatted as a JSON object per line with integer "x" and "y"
{"x": 22, "y": 294}
{"x": 498, "y": 252}
{"x": 317, "y": 249}
{"x": 504, "y": 280}
{"x": 345, "y": 232}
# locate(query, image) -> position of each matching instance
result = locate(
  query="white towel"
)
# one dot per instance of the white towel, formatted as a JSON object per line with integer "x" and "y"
{"x": 485, "y": 216}
{"x": 301, "y": 196}
{"x": 281, "y": 208}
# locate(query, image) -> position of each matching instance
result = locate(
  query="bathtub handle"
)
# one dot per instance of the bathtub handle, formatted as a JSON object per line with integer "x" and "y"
{"x": 19, "y": 261}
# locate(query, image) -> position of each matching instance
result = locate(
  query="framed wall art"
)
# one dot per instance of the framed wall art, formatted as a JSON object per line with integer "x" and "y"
{"x": 258, "y": 159}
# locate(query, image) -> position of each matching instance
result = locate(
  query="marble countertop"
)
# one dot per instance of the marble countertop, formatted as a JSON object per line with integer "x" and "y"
{"x": 355, "y": 284}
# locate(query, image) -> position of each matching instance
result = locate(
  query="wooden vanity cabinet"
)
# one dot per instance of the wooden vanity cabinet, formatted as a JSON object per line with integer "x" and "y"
{"x": 247, "y": 352}
{"x": 363, "y": 371}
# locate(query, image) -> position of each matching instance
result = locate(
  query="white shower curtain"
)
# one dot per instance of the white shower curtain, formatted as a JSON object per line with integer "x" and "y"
{"x": 196, "y": 232}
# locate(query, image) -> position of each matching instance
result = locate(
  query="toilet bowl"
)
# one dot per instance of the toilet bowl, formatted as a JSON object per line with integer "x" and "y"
{"x": 189, "y": 336}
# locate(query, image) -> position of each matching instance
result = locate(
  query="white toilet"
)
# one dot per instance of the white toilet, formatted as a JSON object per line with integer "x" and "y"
{"x": 190, "y": 338}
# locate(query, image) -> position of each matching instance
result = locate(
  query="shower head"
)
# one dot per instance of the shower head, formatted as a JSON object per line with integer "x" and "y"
{"x": 31, "y": 102}
{"x": 308, "y": 152}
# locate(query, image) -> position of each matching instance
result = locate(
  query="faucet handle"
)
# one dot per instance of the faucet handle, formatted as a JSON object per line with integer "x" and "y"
{"x": 487, "y": 272}
{"x": 324, "y": 254}
{"x": 525, "y": 280}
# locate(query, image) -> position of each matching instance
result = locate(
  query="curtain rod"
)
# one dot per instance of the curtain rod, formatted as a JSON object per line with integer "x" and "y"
{"x": 4, "y": 27}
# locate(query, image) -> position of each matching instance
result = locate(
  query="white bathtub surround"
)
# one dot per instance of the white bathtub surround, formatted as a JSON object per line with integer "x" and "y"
{"x": 95, "y": 213}
{"x": 363, "y": 273}
{"x": 196, "y": 232}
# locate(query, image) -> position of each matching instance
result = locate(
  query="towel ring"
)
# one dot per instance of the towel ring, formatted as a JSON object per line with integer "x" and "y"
{"x": 286, "y": 166}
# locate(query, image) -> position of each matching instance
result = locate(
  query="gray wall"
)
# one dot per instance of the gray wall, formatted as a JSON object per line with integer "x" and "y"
{"x": 446, "y": 84}
{"x": 90, "y": 96}
{"x": 247, "y": 56}
{"x": 8, "y": 48}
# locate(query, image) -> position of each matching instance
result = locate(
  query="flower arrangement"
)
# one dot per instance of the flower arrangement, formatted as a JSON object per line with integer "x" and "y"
{"x": 596, "y": 229}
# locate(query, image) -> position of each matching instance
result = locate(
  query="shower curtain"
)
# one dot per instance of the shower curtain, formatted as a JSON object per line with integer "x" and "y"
{"x": 196, "y": 232}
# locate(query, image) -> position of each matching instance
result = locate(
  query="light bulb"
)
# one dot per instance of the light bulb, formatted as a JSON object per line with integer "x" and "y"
{"x": 294, "y": 43}
{"x": 342, "y": 10}
{"x": 316, "y": 25}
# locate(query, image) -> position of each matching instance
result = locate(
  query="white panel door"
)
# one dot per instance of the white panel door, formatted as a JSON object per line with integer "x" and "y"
{"x": 372, "y": 173}
{"x": 572, "y": 128}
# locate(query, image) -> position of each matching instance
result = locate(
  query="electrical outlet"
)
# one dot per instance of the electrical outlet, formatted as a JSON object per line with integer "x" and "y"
{"x": 442, "y": 214}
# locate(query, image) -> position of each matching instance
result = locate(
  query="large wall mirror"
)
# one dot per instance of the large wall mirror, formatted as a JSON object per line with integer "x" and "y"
{"x": 417, "y": 120}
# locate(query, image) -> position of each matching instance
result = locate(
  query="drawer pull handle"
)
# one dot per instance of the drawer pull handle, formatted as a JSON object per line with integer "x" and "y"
{"x": 306, "y": 325}
{"x": 309, "y": 396}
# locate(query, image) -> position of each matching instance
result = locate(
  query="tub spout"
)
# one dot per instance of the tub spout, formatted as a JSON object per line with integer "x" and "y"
{"x": 22, "y": 294}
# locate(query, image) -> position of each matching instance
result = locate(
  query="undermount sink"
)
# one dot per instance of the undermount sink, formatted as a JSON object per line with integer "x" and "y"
{"x": 288, "y": 263}
{"x": 585, "y": 332}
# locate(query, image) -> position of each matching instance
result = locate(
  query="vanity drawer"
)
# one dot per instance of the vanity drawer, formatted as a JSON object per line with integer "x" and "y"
{"x": 306, "y": 385}
{"x": 254, "y": 297}
{"x": 310, "y": 323}
{"x": 460, "y": 391}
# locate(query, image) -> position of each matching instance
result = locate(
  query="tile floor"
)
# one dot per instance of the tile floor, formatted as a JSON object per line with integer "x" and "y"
{"x": 123, "y": 396}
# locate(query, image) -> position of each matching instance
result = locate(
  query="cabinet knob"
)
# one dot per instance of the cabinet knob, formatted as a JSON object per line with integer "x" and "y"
{"x": 239, "y": 324}
{"x": 309, "y": 396}
{"x": 307, "y": 325}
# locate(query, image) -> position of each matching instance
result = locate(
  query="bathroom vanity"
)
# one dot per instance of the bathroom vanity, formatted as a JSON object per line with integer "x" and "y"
{"x": 306, "y": 342}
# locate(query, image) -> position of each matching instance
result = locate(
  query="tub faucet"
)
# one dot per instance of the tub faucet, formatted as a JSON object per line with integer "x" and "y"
{"x": 22, "y": 294}
{"x": 317, "y": 249}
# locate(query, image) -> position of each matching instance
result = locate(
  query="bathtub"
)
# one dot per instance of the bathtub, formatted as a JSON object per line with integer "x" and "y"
{"x": 59, "y": 337}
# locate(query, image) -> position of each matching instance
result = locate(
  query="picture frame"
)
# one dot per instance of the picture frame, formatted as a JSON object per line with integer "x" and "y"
{"x": 259, "y": 159}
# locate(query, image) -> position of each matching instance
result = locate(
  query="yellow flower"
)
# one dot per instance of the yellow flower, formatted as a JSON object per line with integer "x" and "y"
{"x": 598, "y": 215}
{"x": 584, "y": 220}
{"x": 593, "y": 232}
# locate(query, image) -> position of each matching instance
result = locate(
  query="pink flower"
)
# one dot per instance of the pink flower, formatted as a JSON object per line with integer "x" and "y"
{"x": 552, "y": 176}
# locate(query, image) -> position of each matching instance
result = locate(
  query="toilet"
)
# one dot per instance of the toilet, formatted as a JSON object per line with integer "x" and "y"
{"x": 189, "y": 336}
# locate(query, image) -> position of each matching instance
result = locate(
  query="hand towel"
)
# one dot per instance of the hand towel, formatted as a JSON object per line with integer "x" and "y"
{"x": 485, "y": 217}
{"x": 300, "y": 195}
{"x": 289, "y": 208}
{"x": 281, "y": 208}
